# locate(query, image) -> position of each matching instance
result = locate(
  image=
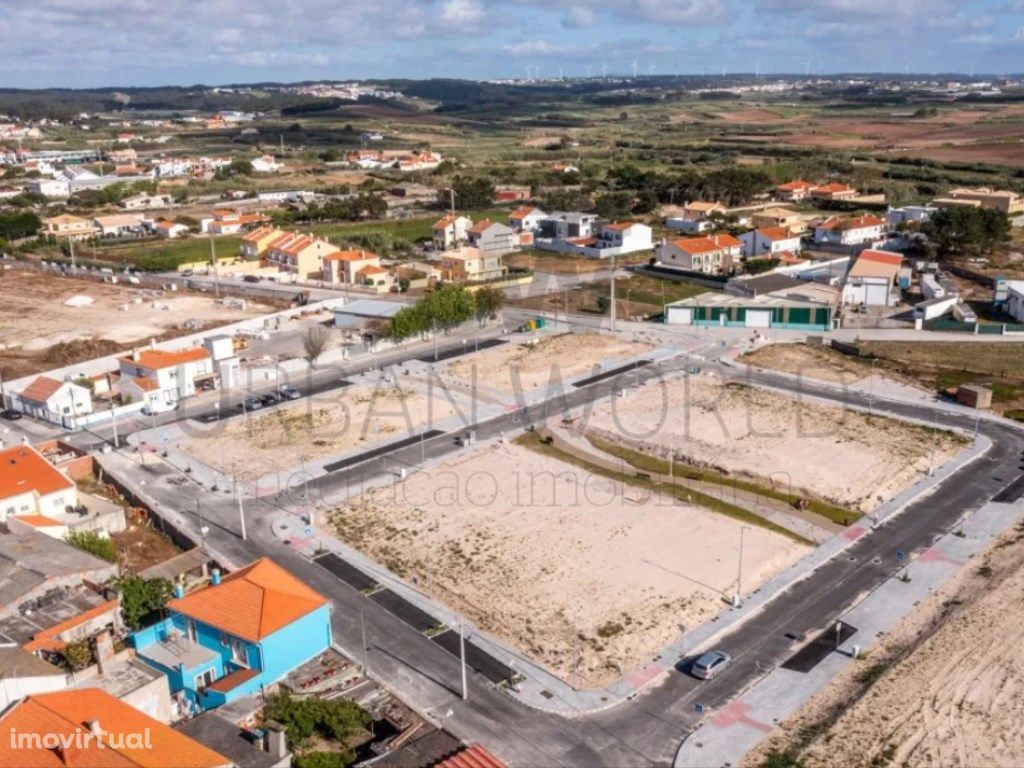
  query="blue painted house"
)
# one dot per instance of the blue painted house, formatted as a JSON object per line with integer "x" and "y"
{"x": 242, "y": 632}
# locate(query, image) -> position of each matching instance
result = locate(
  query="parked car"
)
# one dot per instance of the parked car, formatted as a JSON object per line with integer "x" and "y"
{"x": 251, "y": 278}
{"x": 271, "y": 398}
{"x": 710, "y": 664}
{"x": 10, "y": 414}
{"x": 288, "y": 392}
{"x": 250, "y": 404}
{"x": 160, "y": 407}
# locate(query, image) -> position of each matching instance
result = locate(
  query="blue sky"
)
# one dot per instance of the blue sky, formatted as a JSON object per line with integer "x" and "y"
{"x": 81, "y": 43}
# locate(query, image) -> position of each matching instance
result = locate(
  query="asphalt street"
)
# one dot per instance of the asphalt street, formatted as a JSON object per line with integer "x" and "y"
{"x": 648, "y": 729}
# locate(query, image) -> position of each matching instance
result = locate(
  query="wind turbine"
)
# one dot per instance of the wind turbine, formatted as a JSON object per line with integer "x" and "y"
{"x": 590, "y": 69}
{"x": 634, "y": 69}
{"x": 650, "y": 69}
{"x": 604, "y": 70}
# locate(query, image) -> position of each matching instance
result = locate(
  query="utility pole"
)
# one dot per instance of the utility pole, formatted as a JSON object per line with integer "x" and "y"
{"x": 739, "y": 572}
{"x": 612, "y": 319}
{"x": 213, "y": 264}
{"x": 462, "y": 659}
{"x": 241, "y": 510}
{"x": 113, "y": 419}
{"x": 71, "y": 244}
{"x": 362, "y": 626}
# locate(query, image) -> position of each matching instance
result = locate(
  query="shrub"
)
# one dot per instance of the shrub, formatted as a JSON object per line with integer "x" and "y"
{"x": 94, "y": 544}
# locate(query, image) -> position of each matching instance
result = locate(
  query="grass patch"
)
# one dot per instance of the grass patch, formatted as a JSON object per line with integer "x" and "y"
{"x": 535, "y": 442}
{"x": 646, "y": 463}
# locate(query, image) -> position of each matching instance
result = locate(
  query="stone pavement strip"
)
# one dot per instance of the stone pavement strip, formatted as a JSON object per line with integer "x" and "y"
{"x": 726, "y": 736}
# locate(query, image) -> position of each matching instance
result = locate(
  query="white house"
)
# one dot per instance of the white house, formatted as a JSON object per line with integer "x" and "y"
{"x": 59, "y": 402}
{"x": 713, "y": 254}
{"x": 266, "y": 164}
{"x": 626, "y": 237}
{"x": 838, "y": 230}
{"x": 118, "y": 225}
{"x": 451, "y": 231}
{"x": 167, "y": 377}
{"x": 145, "y": 201}
{"x": 919, "y": 213}
{"x": 873, "y": 279}
{"x": 50, "y": 187}
{"x": 769, "y": 242}
{"x": 170, "y": 229}
{"x": 173, "y": 166}
{"x": 31, "y": 486}
{"x": 526, "y": 218}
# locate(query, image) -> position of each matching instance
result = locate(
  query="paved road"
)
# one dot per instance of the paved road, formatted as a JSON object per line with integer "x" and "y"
{"x": 648, "y": 729}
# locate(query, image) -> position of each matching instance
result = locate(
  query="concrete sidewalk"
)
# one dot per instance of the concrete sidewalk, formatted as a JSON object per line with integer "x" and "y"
{"x": 726, "y": 736}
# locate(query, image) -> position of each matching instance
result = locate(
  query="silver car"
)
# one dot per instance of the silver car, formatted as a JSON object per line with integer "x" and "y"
{"x": 710, "y": 664}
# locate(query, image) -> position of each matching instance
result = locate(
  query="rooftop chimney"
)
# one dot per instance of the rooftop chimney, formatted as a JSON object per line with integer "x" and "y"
{"x": 277, "y": 744}
{"x": 215, "y": 576}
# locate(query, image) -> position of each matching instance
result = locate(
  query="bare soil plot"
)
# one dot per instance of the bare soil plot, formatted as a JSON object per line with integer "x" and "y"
{"x": 814, "y": 362}
{"x": 35, "y": 320}
{"x": 551, "y": 359}
{"x": 521, "y": 542}
{"x": 942, "y": 688}
{"x": 285, "y": 437}
{"x": 140, "y": 547}
{"x": 845, "y": 457}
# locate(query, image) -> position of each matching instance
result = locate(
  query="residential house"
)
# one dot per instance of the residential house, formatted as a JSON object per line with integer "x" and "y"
{"x": 32, "y": 487}
{"x": 125, "y": 155}
{"x": 228, "y": 222}
{"x": 565, "y": 168}
{"x": 625, "y": 237}
{"x": 169, "y": 229}
{"x": 769, "y": 242}
{"x": 834, "y": 190}
{"x": 850, "y": 231}
{"x": 169, "y": 167}
{"x": 58, "y": 402}
{"x": 566, "y": 225}
{"x": 470, "y": 265}
{"x": 450, "y": 231}
{"x": 1004, "y": 201}
{"x": 526, "y": 218}
{"x": 237, "y": 636}
{"x": 367, "y": 159}
{"x": 766, "y": 301}
{"x": 301, "y": 255}
{"x": 118, "y": 225}
{"x": 23, "y": 673}
{"x": 1012, "y": 299}
{"x": 7, "y": 191}
{"x": 778, "y": 217}
{"x": 909, "y": 213}
{"x": 266, "y": 164}
{"x": 423, "y": 160}
{"x": 794, "y": 191}
{"x": 146, "y": 201}
{"x": 696, "y": 217}
{"x": 711, "y": 254}
{"x": 352, "y": 268}
{"x": 55, "y": 188}
{"x": 98, "y": 730}
{"x": 255, "y": 244}
{"x": 68, "y": 227}
{"x": 873, "y": 280}
{"x": 161, "y": 378}
{"x": 491, "y": 237}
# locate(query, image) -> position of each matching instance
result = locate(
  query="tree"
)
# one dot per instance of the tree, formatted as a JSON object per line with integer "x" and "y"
{"x": 315, "y": 341}
{"x": 469, "y": 193}
{"x": 335, "y": 719}
{"x": 614, "y": 205}
{"x": 604, "y": 304}
{"x": 94, "y": 544}
{"x": 325, "y": 759}
{"x": 489, "y": 301}
{"x": 19, "y": 224}
{"x": 77, "y": 655}
{"x": 964, "y": 232}
{"x": 448, "y": 306}
{"x": 140, "y": 597}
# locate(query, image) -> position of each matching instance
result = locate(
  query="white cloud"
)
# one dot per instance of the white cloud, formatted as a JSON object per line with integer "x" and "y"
{"x": 529, "y": 48}
{"x": 579, "y": 17}
{"x": 462, "y": 12}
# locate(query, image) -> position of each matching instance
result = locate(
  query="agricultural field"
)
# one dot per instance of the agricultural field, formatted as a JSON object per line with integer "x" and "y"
{"x": 568, "y": 546}
{"x": 848, "y": 458}
{"x": 48, "y": 321}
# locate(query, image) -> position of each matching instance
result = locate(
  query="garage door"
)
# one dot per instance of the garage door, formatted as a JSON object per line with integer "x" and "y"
{"x": 876, "y": 295}
{"x": 680, "y": 315}
{"x": 759, "y": 318}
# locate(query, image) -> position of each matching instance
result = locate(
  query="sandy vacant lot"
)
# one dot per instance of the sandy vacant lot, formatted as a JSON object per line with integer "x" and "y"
{"x": 845, "y": 457}
{"x": 553, "y": 359}
{"x": 948, "y": 682}
{"x": 33, "y": 315}
{"x": 518, "y": 541}
{"x": 283, "y": 438}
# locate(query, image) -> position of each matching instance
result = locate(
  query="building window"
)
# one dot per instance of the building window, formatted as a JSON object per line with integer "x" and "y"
{"x": 204, "y": 679}
{"x": 238, "y": 654}
{"x": 190, "y": 629}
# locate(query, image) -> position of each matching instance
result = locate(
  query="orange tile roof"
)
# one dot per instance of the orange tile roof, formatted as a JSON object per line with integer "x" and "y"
{"x": 619, "y": 226}
{"x": 63, "y": 714}
{"x": 858, "y": 222}
{"x": 832, "y": 186}
{"x": 146, "y": 385}
{"x": 231, "y": 681}
{"x": 776, "y": 233}
{"x": 522, "y": 212}
{"x": 41, "y": 390}
{"x": 48, "y": 639}
{"x": 471, "y": 757}
{"x": 37, "y": 521}
{"x": 252, "y": 602}
{"x": 258, "y": 234}
{"x": 444, "y": 221}
{"x": 24, "y": 469}
{"x": 351, "y": 256}
{"x": 481, "y": 226}
{"x": 795, "y": 185}
{"x": 156, "y": 359}
{"x": 707, "y": 244}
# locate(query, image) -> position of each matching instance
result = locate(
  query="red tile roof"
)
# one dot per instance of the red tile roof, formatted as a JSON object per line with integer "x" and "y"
{"x": 251, "y": 603}
{"x": 351, "y": 256}
{"x": 41, "y": 390}
{"x": 522, "y": 212}
{"x": 619, "y": 226}
{"x": 231, "y": 681}
{"x": 795, "y": 185}
{"x": 24, "y": 469}
{"x": 858, "y": 222}
{"x": 471, "y": 757}
{"x": 131, "y": 738}
{"x": 882, "y": 257}
{"x": 481, "y": 226}
{"x": 776, "y": 233}
{"x": 48, "y": 640}
{"x": 707, "y": 244}
{"x": 155, "y": 359}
